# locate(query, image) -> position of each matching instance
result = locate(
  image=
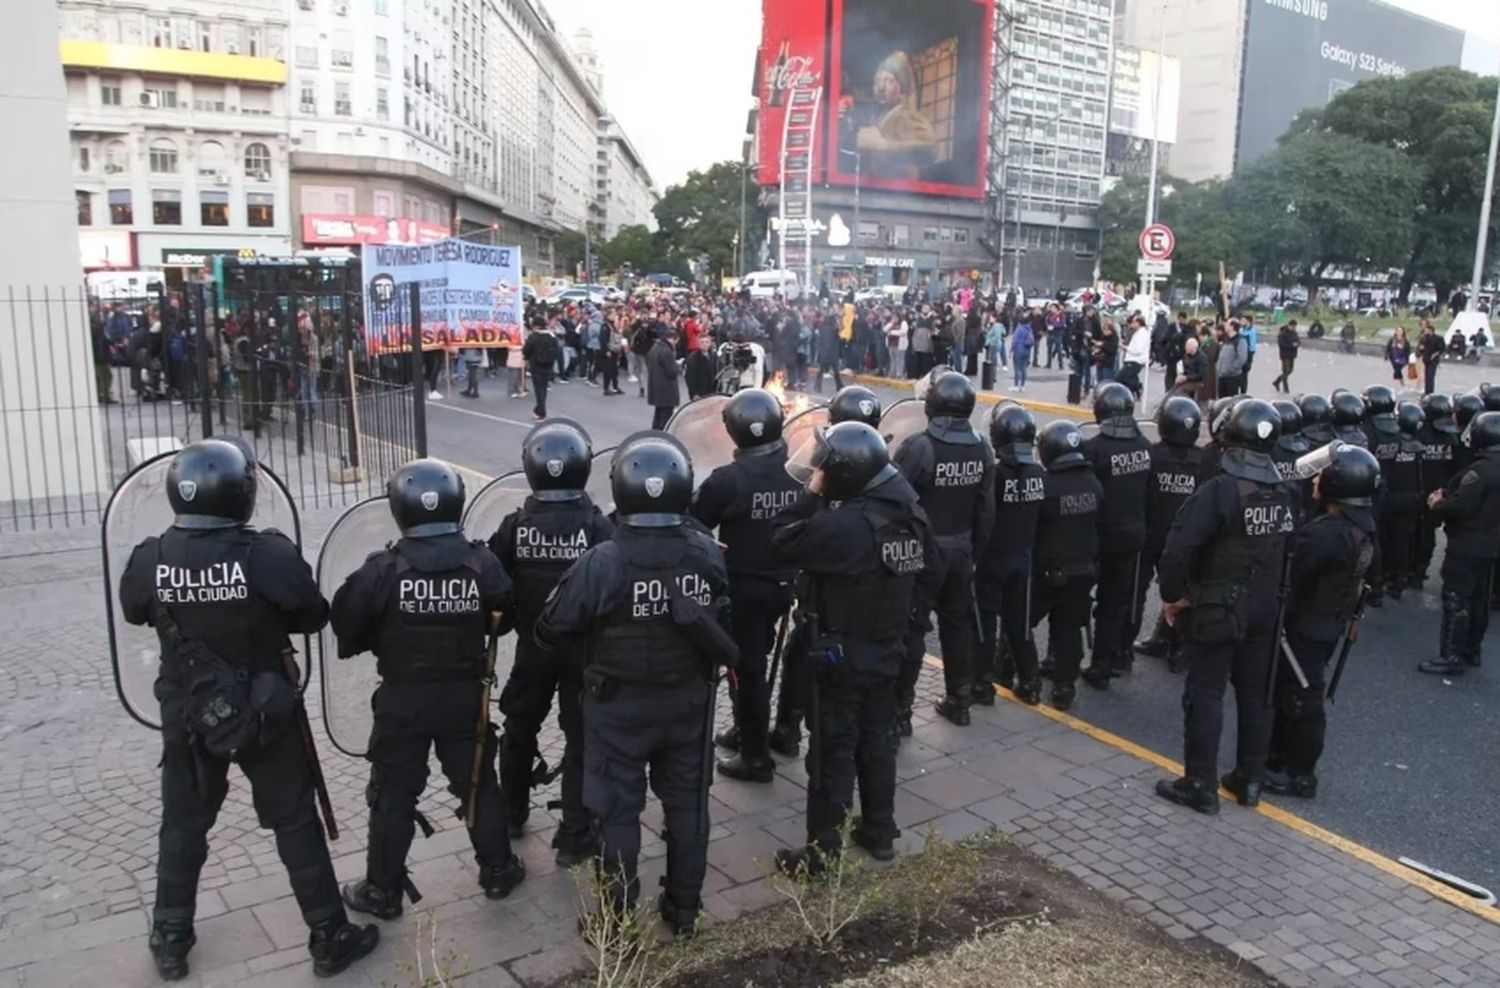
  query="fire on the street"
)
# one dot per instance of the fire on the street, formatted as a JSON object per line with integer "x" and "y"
{"x": 791, "y": 403}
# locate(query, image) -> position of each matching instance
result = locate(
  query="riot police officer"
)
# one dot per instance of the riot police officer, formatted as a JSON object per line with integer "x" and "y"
{"x": 1465, "y": 407}
{"x": 1222, "y": 577}
{"x": 224, "y": 600}
{"x": 1064, "y": 557}
{"x": 648, "y": 606}
{"x": 953, "y": 473}
{"x": 1177, "y": 465}
{"x": 1348, "y": 418}
{"x": 1121, "y": 458}
{"x": 1002, "y": 574}
{"x": 1383, "y": 438}
{"x": 1330, "y": 556}
{"x": 536, "y": 544}
{"x": 1469, "y": 508}
{"x": 1291, "y": 446}
{"x": 1218, "y": 415}
{"x": 1400, "y": 502}
{"x": 1439, "y": 438}
{"x": 855, "y": 403}
{"x": 862, "y": 540}
{"x": 740, "y": 500}
{"x": 1317, "y": 419}
{"x": 423, "y": 607}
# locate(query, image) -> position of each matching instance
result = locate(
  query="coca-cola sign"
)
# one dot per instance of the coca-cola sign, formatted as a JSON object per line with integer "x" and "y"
{"x": 793, "y": 74}
{"x": 788, "y": 72}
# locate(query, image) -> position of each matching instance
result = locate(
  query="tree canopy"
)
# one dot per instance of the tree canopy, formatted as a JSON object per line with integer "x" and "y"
{"x": 701, "y": 217}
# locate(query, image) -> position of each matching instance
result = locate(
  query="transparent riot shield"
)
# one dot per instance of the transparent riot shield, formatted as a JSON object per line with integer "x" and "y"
{"x": 348, "y": 683}
{"x": 799, "y": 428}
{"x": 139, "y": 509}
{"x": 904, "y": 419}
{"x": 488, "y": 508}
{"x": 699, "y": 426}
{"x": 598, "y": 488}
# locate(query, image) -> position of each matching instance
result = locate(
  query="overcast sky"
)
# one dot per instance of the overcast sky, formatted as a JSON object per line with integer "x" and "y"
{"x": 683, "y": 102}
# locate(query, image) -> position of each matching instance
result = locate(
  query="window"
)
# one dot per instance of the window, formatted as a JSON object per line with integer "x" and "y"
{"x": 116, "y": 160}
{"x": 252, "y": 42}
{"x": 85, "y": 208}
{"x": 109, "y": 91}
{"x": 309, "y": 140}
{"x": 161, "y": 32}
{"x": 260, "y": 209}
{"x": 166, "y": 207}
{"x": 255, "y": 101}
{"x": 382, "y": 103}
{"x": 306, "y": 56}
{"x": 120, "y": 213}
{"x": 960, "y": 235}
{"x": 384, "y": 203}
{"x": 83, "y": 159}
{"x": 163, "y": 160}
{"x": 937, "y": 96}
{"x": 212, "y": 161}
{"x": 343, "y": 58}
{"x": 205, "y": 37}
{"x": 946, "y": 235}
{"x": 901, "y": 235}
{"x": 341, "y": 104}
{"x": 213, "y": 207}
{"x": 307, "y": 99}
{"x": 382, "y": 57}
{"x": 258, "y": 162}
{"x": 929, "y": 234}
{"x": 869, "y": 231}
{"x": 208, "y": 98}
{"x": 159, "y": 93}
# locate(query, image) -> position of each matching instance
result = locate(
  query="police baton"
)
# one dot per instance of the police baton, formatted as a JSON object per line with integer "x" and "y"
{"x": 482, "y": 726}
{"x": 1351, "y": 635}
{"x": 1281, "y": 592}
{"x": 309, "y": 745}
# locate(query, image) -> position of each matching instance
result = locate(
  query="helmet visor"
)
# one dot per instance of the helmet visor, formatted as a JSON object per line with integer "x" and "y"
{"x": 808, "y": 457}
{"x": 1309, "y": 465}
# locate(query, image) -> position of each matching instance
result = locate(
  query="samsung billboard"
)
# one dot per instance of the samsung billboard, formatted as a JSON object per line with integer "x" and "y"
{"x": 1302, "y": 53}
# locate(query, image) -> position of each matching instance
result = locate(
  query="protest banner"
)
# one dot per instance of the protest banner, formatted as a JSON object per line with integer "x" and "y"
{"x": 470, "y": 294}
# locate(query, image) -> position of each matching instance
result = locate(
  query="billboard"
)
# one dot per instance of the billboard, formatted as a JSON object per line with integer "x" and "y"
{"x": 331, "y": 229}
{"x": 1302, "y": 53}
{"x": 471, "y": 294}
{"x": 1144, "y": 93}
{"x": 905, "y": 86}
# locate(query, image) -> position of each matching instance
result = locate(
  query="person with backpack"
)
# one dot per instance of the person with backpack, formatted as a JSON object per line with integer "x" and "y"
{"x": 541, "y": 353}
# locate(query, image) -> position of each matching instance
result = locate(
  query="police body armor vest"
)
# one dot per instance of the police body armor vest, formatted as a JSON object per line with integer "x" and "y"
{"x": 1437, "y": 458}
{"x": 874, "y": 604}
{"x": 637, "y": 641}
{"x": 1067, "y": 542}
{"x": 1020, "y": 489}
{"x": 1402, "y": 473}
{"x": 762, "y": 489}
{"x": 1336, "y": 591}
{"x": 212, "y": 602}
{"x": 1123, "y": 467}
{"x": 435, "y": 621}
{"x": 957, "y": 476}
{"x": 1286, "y": 453}
{"x": 1478, "y": 536}
{"x": 1246, "y": 556}
{"x": 547, "y": 540}
{"x": 1174, "y": 478}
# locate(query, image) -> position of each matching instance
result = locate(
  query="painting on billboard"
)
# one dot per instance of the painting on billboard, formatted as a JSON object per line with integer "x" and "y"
{"x": 910, "y": 90}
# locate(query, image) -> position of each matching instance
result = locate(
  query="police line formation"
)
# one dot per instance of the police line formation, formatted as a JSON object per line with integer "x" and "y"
{"x": 830, "y": 559}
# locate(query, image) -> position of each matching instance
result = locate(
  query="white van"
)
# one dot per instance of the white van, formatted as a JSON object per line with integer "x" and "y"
{"x": 764, "y": 284}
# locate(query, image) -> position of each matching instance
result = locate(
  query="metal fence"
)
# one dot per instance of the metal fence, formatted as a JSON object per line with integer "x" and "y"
{"x": 92, "y": 387}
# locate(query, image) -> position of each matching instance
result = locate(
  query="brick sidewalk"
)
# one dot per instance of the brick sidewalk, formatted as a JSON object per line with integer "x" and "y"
{"x": 78, "y": 794}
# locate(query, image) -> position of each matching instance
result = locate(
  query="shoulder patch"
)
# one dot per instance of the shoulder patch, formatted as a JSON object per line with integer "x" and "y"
{"x": 1469, "y": 477}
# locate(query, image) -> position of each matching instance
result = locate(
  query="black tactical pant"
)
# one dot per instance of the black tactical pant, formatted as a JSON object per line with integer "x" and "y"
{"x": 1300, "y": 721}
{"x": 1397, "y": 531}
{"x": 1145, "y": 572}
{"x": 1210, "y": 668}
{"x": 1003, "y": 590}
{"x": 759, "y": 602}
{"x": 627, "y": 730}
{"x": 1114, "y": 605}
{"x": 849, "y": 725}
{"x": 1427, "y": 529}
{"x": 193, "y": 787}
{"x": 1064, "y": 602}
{"x": 948, "y": 588}
{"x": 791, "y": 699}
{"x": 524, "y": 703}
{"x": 410, "y": 719}
{"x": 1466, "y": 605}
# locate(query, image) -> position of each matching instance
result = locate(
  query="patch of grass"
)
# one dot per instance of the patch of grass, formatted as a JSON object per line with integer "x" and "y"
{"x": 433, "y": 964}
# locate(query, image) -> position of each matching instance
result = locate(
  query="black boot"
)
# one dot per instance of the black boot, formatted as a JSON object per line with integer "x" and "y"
{"x": 881, "y": 847}
{"x": 745, "y": 768}
{"x": 786, "y": 738}
{"x": 809, "y": 860}
{"x": 1245, "y": 792}
{"x": 499, "y": 881}
{"x": 336, "y": 944}
{"x": 1097, "y": 675}
{"x": 1029, "y": 691}
{"x": 983, "y": 694}
{"x": 953, "y": 709}
{"x": 1191, "y": 793}
{"x": 574, "y": 847}
{"x": 1300, "y": 786}
{"x": 729, "y": 739}
{"x": 1062, "y": 695}
{"x": 903, "y": 722}
{"x": 369, "y": 898}
{"x": 1155, "y": 647}
{"x": 1176, "y": 663}
{"x": 170, "y": 943}
{"x": 1453, "y": 633}
{"x": 681, "y": 920}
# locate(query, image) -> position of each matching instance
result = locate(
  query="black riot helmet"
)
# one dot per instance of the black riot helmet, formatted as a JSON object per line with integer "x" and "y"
{"x": 1179, "y": 421}
{"x": 556, "y": 455}
{"x": 1438, "y": 408}
{"x": 1114, "y": 410}
{"x": 1013, "y": 432}
{"x": 211, "y": 484}
{"x": 951, "y": 395}
{"x": 1218, "y": 415}
{"x": 1290, "y": 414}
{"x": 753, "y": 417}
{"x": 1348, "y": 409}
{"x": 651, "y": 477}
{"x": 855, "y": 403}
{"x": 1059, "y": 445}
{"x": 1379, "y": 400}
{"x": 1409, "y": 417}
{"x": 1351, "y": 477}
{"x": 852, "y": 456}
{"x": 1490, "y": 395}
{"x": 1315, "y": 410}
{"x": 427, "y": 499}
{"x": 1465, "y": 407}
{"x": 1484, "y": 432}
{"x": 1252, "y": 424}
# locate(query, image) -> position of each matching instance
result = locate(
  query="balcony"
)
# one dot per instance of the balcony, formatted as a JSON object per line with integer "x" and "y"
{"x": 170, "y": 62}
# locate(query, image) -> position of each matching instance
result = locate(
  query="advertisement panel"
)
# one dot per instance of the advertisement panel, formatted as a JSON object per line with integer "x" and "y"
{"x": 792, "y": 56}
{"x": 1145, "y": 88}
{"x": 327, "y": 229}
{"x": 471, "y": 294}
{"x": 1302, "y": 53}
{"x": 909, "y": 94}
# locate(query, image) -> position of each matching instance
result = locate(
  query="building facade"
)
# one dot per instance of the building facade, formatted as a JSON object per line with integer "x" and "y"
{"x": 625, "y": 192}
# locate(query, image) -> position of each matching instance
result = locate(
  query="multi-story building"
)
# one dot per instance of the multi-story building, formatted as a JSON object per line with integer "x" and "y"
{"x": 569, "y": 110}
{"x": 178, "y": 123}
{"x": 625, "y": 191}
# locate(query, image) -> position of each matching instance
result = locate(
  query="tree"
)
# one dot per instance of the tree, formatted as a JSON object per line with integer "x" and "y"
{"x": 632, "y": 245}
{"x": 1197, "y": 214}
{"x": 1321, "y": 199}
{"x": 568, "y": 250}
{"x": 702, "y": 216}
{"x": 1439, "y": 120}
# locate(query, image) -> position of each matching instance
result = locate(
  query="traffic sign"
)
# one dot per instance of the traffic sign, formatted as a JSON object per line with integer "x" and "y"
{"x": 1153, "y": 267}
{"x": 1157, "y": 242}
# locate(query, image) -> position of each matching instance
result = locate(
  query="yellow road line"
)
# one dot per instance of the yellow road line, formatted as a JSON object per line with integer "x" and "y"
{"x": 1286, "y": 818}
{"x": 989, "y": 397}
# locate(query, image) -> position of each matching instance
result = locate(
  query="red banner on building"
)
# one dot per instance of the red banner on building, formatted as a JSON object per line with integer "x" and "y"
{"x": 328, "y": 229}
{"x": 792, "y": 57}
